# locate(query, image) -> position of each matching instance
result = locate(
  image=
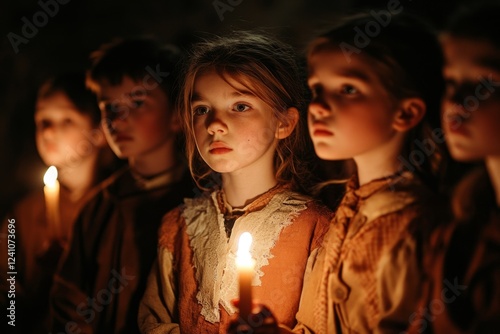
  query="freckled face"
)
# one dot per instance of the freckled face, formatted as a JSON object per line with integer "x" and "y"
{"x": 234, "y": 129}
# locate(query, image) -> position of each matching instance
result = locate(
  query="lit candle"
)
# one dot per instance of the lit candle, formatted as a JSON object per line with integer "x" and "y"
{"x": 51, "y": 191}
{"x": 245, "y": 266}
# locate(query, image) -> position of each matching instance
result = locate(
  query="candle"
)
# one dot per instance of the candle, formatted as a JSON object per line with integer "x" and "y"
{"x": 245, "y": 266}
{"x": 51, "y": 191}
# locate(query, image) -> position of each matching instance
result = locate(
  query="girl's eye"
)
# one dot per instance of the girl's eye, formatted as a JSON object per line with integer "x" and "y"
{"x": 240, "y": 107}
{"x": 108, "y": 108}
{"x": 450, "y": 89}
{"x": 43, "y": 124}
{"x": 137, "y": 103}
{"x": 201, "y": 110}
{"x": 67, "y": 121}
{"x": 349, "y": 90}
{"x": 314, "y": 92}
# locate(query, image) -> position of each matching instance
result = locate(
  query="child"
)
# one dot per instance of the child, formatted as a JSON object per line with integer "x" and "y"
{"x": 100, "y": 282}
{"x": 68, "y": 136}
{"x": 241, "y": 102}
{"x": 372, "y": 102}
{"x": 463, "y": 292}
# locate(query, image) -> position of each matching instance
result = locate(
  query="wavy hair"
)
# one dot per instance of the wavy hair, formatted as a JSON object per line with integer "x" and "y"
{"x": 269, "y": 69}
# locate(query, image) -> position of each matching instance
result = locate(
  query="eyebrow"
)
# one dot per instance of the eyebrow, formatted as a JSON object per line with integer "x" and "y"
{"x": 197, "y": 97}
{"x": 349, "y": 73}
{"x": 354, "y": 74}
{"x": 105, "y": 98}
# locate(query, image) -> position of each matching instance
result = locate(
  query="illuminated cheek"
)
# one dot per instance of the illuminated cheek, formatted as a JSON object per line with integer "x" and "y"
{"x": 199, "y": 132}
{"x": 39, "y": 139}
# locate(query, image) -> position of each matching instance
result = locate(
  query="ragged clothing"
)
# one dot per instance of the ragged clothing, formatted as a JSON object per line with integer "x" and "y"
{"x": 191, "y": 287}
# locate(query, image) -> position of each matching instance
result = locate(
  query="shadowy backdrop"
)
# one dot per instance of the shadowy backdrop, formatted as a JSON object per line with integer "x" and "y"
{"x": 49, "y": 36}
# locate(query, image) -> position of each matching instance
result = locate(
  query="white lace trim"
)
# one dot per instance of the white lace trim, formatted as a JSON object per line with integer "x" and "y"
{"x": 215, "y": 254}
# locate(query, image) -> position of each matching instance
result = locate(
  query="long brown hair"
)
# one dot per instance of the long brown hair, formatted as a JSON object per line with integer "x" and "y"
{"x": 269, "y": 69}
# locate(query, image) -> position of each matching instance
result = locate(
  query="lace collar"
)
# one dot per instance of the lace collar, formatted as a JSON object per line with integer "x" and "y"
{"x": 215, "y": 254}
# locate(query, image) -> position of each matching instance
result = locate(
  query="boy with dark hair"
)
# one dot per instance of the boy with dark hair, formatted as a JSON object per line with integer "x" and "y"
{"x": 100, "y": 282}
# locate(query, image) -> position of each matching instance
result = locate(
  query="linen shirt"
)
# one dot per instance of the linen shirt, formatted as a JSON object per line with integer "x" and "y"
{"x": 366, "y": 278}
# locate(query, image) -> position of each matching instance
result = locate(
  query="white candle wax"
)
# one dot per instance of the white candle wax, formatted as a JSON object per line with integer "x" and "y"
{"x": 51, "y": 192}
{"x": 245, "y": 266}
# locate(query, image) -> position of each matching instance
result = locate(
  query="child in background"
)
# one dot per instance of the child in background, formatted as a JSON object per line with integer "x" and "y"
{"x": 375, "y": 105}
{"x": 241, "y": 102}
{"x": 98, "y": 287}
{"x": 68, "y": 136}
{"x": 462, "y": 294}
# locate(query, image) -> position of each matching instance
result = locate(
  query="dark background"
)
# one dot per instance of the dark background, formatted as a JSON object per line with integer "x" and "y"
{"x": 79, "y": 27}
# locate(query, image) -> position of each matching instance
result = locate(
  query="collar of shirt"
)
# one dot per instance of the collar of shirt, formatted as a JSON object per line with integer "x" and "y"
{"x": 171, "y": 175}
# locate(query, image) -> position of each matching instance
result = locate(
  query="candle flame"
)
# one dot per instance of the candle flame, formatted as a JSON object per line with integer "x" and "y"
{"x": 244, "y": 244}
{"x": 50, "y": 177}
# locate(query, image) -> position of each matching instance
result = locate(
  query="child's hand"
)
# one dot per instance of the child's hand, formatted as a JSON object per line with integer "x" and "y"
{"x": 261, "y": 321}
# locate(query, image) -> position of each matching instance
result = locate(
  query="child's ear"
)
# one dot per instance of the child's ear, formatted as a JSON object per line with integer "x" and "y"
{"x": 98, "y": 137}
{"x": 409, "y": 114}
{"x": 175, "y": 123}
{"x": 284, "y": 130}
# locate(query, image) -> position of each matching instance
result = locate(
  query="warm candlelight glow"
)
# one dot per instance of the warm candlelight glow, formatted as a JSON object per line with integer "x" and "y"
{"x": 243, "y": 256}
{"x": 51, "y": 191}
{"x": 50, "y": 177}
{"x": 245, "y": 265}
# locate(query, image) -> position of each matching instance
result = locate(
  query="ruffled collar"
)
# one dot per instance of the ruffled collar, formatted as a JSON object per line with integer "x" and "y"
{"x": 231, "y": 214}
{"x": 214, "y": 253}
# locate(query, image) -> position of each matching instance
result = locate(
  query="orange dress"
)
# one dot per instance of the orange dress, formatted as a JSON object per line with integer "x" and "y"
{"x": 195, "y": 278}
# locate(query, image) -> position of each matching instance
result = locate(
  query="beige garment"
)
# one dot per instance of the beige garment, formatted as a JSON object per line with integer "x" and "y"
{"x": 344, "y": 283}
{"x": 190, "y": 288}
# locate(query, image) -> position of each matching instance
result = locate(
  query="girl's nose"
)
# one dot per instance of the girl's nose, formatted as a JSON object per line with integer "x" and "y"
{"x": 216, "y": 125}
{"x": 116, "y": 120}
{"x": 319, "y": 109}
{"x": 453, "y": 112}
{"x": 49, "y": 132}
